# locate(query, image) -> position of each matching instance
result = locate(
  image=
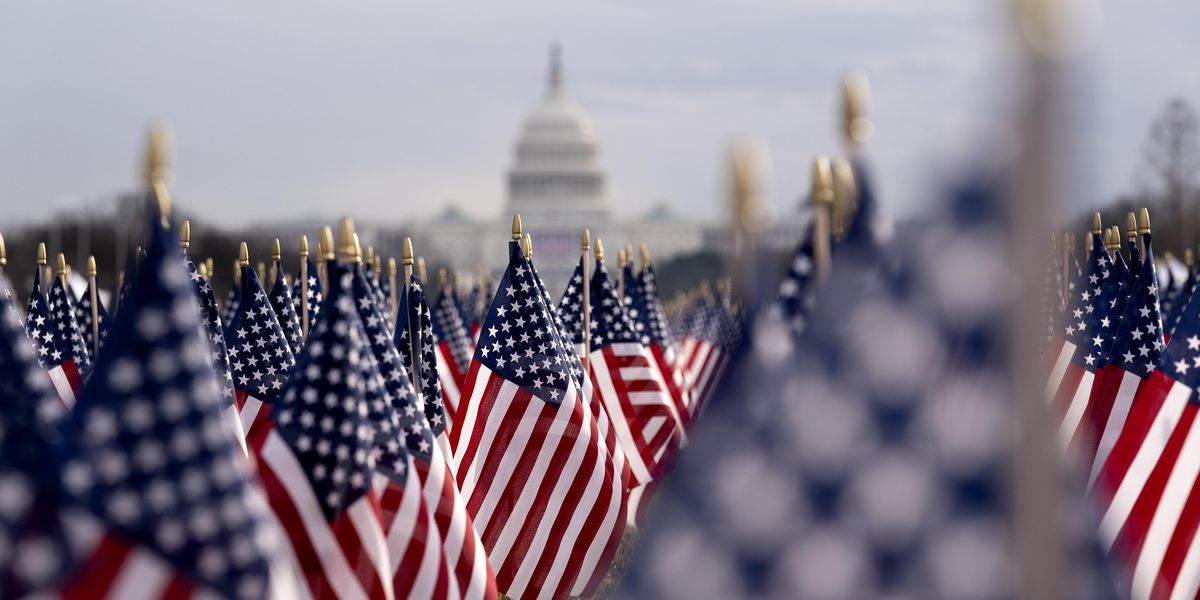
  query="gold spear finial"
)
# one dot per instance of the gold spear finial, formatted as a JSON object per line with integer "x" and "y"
{"x": 748, "y": 166}
{"x": 276, "y": 250}
{"x": 158, "y": 155}
{"x": 1144, "y": 220}
{"x": 527, "y": 246}
{"x": 1090, "y": 243}
{"x": 371, "y": 256}
{"x": 822, "y": 181}
{"x": 406, "y": 252}
{"x": 261, "y": 269}
{"x": 3, "y": 252}
{"x": 327, "y": 247}
{"x": 392, "y": 267}
{"x": 203, "y": 268}
{"x": 629, "y": 253}
{"x": 845, "y": 195}
{"x": 516, "y": 228}
{"x": 41, "y": 254}
{"x": 1131, "y": 226}
{"x": 1116, "y": 237}
{"x": 1096, "y": 223}
{"x": 91, "y": 266}
{"x": 62, "y": 265}
{"x": 621, "y": 262}
{"x": 211, "y": 269}
{"x": 1189, "y": 259}
{"x": 243, "y": 255}
{"x": 587, "y": 241}
{"x": 358, "y": 252}
{"x": 1108, "y": 241}
{"x": 421, "y": 268}
{"x": 443, "y": 279}
{"x": 347, "y": 248}
{"x": 303, "y": 246}
{"x": 856, "y": 94}
{"x": 599, "y": 251}
{"x": 185, "y": 235}
{"x": 645, "y": 252}
{"x": 162, "y": 198}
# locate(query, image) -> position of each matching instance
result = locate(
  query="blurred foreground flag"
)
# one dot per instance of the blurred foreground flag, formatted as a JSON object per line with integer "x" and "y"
{"x": 878, "y": 448}
{"x": 541, "y": 485}
{"x": 158, "y": 492}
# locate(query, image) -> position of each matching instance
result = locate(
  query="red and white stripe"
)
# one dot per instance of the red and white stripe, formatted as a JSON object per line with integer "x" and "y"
{"x": 418, "y": 565}
{"x": 343, "y": 558}
{"x": 67, "y": 381}
{"x": 640, "y": 410}
{"x": 1149, "y": 491}
{"x": 451, "y": 378}
{"x": 254, "y": 414}
{"x": 673, "y": 378}
{"x": 708, "y": 374}
{"x": 543, "y": 490}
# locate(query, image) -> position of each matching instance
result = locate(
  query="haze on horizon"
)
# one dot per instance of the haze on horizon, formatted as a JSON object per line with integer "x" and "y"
{"x": 288, "y": 110}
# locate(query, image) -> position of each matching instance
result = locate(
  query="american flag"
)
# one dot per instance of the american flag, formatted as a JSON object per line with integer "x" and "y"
{"x": 873, "y": 476}
{"x": 1134, "y": 354}
{"x": 317, "y": 458}
{"x": 657, "y": 337}
{"x": 61, "y": 350}
{"x": 159, "y": 496}
{"x": 1082, "y": 350}
{"x": 472, "y": 306}
{"x": 232, "y": 300}
{"x": 315, "y": 297}
{"x": 83, "y": 316}
{"x": 424, "y": 370}
{"x": 797, "y": 289}
{"x": 285, "y": 310}
{"x": 460, "y": 551}
{"x": 631, "y": 294}
{"x": 454, "y": 348}
{"x": 570, "y": 310}
{"x": 1148, "y": 484}
{"x": 28, "y": 521}
{"x": 210, "y": 317}
{"x": 259, "y": 356}
{"x": 626, "y": 378}
{"x": 538, "y": 480}
{"x": 706, "y": 349}
{"x": 1052, "y": 297}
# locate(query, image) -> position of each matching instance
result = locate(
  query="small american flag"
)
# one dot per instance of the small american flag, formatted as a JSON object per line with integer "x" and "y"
{"x": 232, "y": 300}
{"x": 210, "y": 317}
{"x": 33, "y": 550}
{"x": 159, "y": 495}
{"x": 570, "y": 310}
{"x": 83, "y": 316}
{"x": 259, "y": 356}
{"x": 285, "y": 310}
{"x": 454, "y": 348}
{"x": 424, "y": 369}
{"x": 540, "y": 484}
{"x": 315, "y": 296}
{"x": 317, "y": 458}
{"x": 797, "y": 289}
{"x": 61, "y": 350}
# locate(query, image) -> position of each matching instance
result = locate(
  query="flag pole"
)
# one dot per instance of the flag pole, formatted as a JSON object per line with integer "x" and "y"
{"x": 325, "y": 254}
{"x": 95, "y": 299}
{"x": 407, "y": 260}
{"x": 621, "y": 262}
{"x": 421, "y": 270}
{"x": 393, "y": 300}
{"x": 303, "y": 285}
{"x": 1131, "y": 231}
{"x": 41, "y": 260}
{"x": 1144, "y": 230}
{"x": 276, "y": 256}
{"x": 586, "y": 304}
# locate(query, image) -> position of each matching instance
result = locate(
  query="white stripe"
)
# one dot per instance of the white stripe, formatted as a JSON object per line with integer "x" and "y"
{"x": 635, "y": 500}
{"x": 249, "y": 411}
{"x": 1166, "y": 516}
{"x": 495, "y": 421}
{"x": 498, "y": 489}
{"x": 1116, "y": 422}
{"x": 142, "y": 575}
{"x": 1143, "y": 462}
{"x": 230, "y": 414}
{"x": 426, "y": 582}
{"x": 404, "y": 522}
{"x": 366, "y": 522}
{"x": 466, "y": 425}
{"x": 1076, "y": 409}
{"x": 450, "y": 391}
{"x": 452, "y": 538}
{"x": 616, "y": 417}
{"x": 1060, "y": 368}
{"x": 591, "y": 558}
{"x": 517, "y": 524}
{"x": 62, "y": 386}
{"x": 637, "y": 373}
{"x": 1187, "y": 584}
{"x": 333, "y": 560}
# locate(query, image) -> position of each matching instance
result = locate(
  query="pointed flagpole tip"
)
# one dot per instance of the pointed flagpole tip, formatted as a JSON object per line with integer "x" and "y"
{"x": 325, "y": 244}
{"x": 516, "y": 227}
{"x": 527, "y": 246}
{"x": 621, "y": 261}
{"x": 358, "y": 253}
{"x": 371, "y": 256}
{"x": 599, "y": 251}
{"x": 587, "y": 241}
{"x": 421, "y": 269}
{"x": 821, "y": 186}
{"x": 185, "y": 235}
{"x": 91, "y": 266}
{"x": 209, "y": 263}
{"x": 1096, "y": 227}
{"x": 41, "y": 253}
{"x": 379, "y": 264}
{"x": 347, "y": 245}
{"x": 243, "y": 255}
{"x": 1144, "y": 220}
{"x": 748, "y": 163}
{"x": 62, "y": 264}
{"x": 1188, "y": 257}
{"x": 1108, "y": 239}
{"x": 645, "y": 254}
{"x": 3, "y": 252}
{"x": 856, "y": 94}
{"x": 1131, "y": 225}
{"x": 406, "y": 252}
{"x": 392, "y": 267}
{"x": 1116, "y": 235}
{"x": 262, "y": 268}
{"x": 158, "y": 155}
{"x": 276, "y": 250}
{"x": 304, "y": 246}
{"x": 443, "y": 279}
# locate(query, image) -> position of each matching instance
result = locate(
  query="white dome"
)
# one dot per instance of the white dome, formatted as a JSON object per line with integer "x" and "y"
{"x": 556, "y": 173}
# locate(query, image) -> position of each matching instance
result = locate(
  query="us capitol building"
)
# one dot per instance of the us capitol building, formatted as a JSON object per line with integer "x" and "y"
{"x": 557, "y": 183}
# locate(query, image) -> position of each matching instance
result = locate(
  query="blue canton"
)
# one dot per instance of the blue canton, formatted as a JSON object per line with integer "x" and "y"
{"x": 259, "y": 356}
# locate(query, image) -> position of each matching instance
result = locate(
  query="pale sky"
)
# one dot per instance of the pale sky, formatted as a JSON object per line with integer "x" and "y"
{"x": 390, "y": 110}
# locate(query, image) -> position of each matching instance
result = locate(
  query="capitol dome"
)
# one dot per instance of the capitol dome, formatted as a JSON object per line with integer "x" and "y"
{"x": 556, "y": 174}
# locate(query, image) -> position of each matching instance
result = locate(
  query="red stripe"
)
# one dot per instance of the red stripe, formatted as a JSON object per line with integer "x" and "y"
{"x": 239, "y": 400}
{"x": 1148, "y": 400}
{"x": 94, "y": 578}
{"x": 1109, "y": 382}
{"x": 499, "y": 444}
{"x": 355, "y": 552}
{"x": 410, "y": 564}
{"x": 1082, "y": 440}
{"x": 1133, "y": 533}
{"x": 637, "y": 419}
{"x": 1066, "y": 391}
{"x": 71, "y": 371}
{"x": 467, "y": 562}
{"x": 178, "y": 588}
{"x": 631, "y": 360}
{"x": 1181, "y": 541}
{"x": 529, "y": 449}
{"x": 668, "y": 377}
{"x": 390, "y": 502}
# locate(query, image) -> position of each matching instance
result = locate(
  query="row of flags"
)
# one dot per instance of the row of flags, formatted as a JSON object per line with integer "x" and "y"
{"x": 334, "y": 437}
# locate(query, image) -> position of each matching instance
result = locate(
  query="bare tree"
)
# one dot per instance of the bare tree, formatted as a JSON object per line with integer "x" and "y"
{"x": 1171, "y": 162}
